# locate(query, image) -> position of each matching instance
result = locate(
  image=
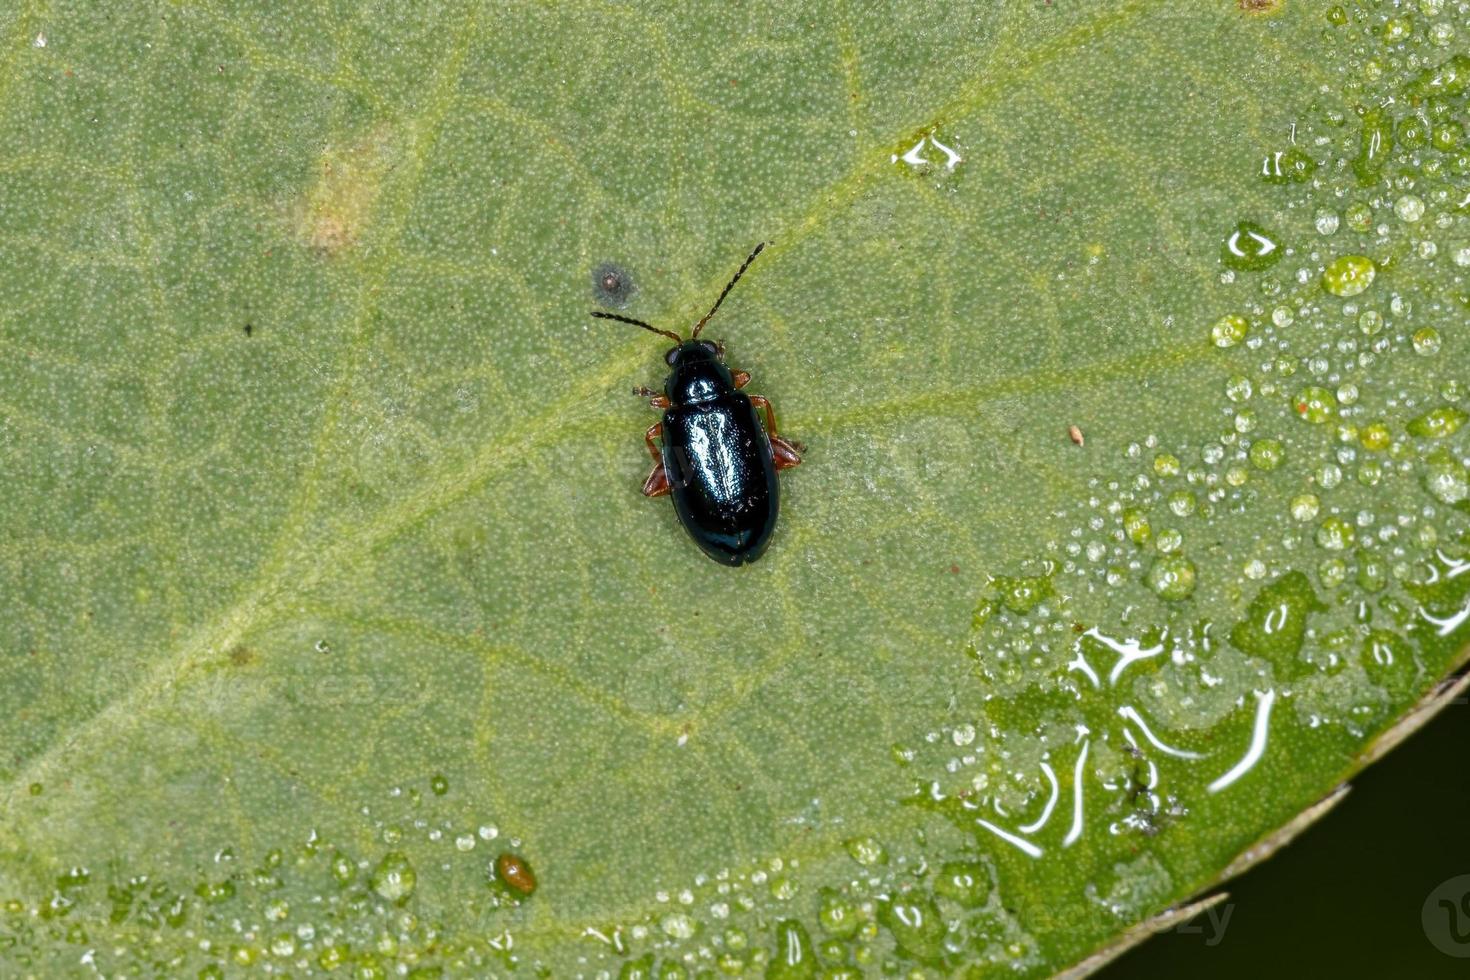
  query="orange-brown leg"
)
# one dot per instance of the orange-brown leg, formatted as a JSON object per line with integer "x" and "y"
{"x": 742, "y": 378}
{"x": 787, "y": 454}
{"x": 657, "y": 483}
{"x": 654, "y": 398}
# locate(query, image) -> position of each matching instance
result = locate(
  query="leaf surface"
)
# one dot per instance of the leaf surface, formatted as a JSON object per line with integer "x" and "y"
{"x": 1126, "y": 341}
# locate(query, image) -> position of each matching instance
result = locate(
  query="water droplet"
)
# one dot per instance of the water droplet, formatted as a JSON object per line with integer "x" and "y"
{"x": 333, "y": 956}
{"x": 1437, "y": 422}
{"x": 1326, "y": 222}
{"x": 837, "y": 915}
{"x": 1445, "y": 478}
{"x": 795, "y": 958}
{"x": 1288, "y": 166}
{"x": 1372, "y": 573}
{"x": 1360, "y": 216}
{"x": 1172, "y": 577}
{"x": 915, "y": 924}
{"x": 1022, "y": 594}
{"x": 394, "y": 878}
{"x": 343, "y": 870}
{"x": 439, "y": 784}
{"x": 1335, "y": 534}
{"x": 1448, "y": 136}
{"x": 1315, "y": 404}
{"x": 1229, "y": 330}
{"x": 1375, "y": 437}
{"x": 1349, "y": 275}
{"x": 1375, "y": 145}
{"x": 964, "y": 883}
{"x": 677, "y": 925}
{"x": 1276, "y": 620}
{"x": 1250, "y": 248}
{"x": 1331, "y": 573}
{"x": 1426, "y": 341}
{"x": 1409, "y": 208}
{"x": 1267, "y": 454}
{"x": 1304, "y": 506}
{"x": 1238, "y": 388}
{"x": 215, "y": 893}
{"x": 866, "y": 851}
{"x": 1382, "y": 651}
{"x": 1136, "y": 526}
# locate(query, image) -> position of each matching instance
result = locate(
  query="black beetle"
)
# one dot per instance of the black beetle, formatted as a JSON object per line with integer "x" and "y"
{"x": 717, "y": 461}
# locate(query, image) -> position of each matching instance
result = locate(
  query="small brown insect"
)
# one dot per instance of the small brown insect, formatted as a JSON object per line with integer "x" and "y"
{"x": 515, "y": 872}
{"x": 1075, "y": 434}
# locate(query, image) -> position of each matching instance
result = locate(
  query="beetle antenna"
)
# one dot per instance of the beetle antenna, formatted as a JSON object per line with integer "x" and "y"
{"x": 728, "y": 286}
{"x": 639, "y": 323}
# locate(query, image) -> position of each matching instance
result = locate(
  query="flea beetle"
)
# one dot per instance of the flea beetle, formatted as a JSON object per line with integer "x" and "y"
{"x": 716, "y": 461}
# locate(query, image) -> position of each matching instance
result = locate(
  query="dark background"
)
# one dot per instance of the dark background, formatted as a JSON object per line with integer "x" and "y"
{"x": 1344, "y": 898}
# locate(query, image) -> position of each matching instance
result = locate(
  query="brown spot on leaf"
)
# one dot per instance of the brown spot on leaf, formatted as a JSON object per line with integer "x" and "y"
{"x": 1260, "y": 6}
{"x": 242, "y": 656}
{"x": 335, "y": 212}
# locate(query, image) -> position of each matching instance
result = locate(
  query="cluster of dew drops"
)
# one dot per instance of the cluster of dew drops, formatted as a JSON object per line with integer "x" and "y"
{"x": 1340, "y": 415}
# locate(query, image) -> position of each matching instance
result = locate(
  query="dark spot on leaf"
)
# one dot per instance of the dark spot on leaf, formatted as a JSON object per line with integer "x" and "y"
{"x": 611, "y": 285}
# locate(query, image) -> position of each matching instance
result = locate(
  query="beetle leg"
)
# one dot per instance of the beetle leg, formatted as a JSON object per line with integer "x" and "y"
{"x": 654, "y": 398}
{"x": 654, "y": 430}
{"x": 657, "y": 483}
{"x": 786, "y": 452}
{"x": 742, "y": 378}
{"x": 764, "y": 404}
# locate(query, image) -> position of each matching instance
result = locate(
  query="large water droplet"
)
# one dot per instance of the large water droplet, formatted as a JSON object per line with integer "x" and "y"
{"x": 916, "y": 926}
{"x": 1375, "y": 144}
{"x": 1276, "y": 620}
{"x": 1315, "y": 404}
{"x": 394, "y": 878}
{"x": 1250, "y": 248}
{"x": 795, "y": 958}
{"x": 1172, "y": 577}
{"x": 1437, "y": 422}
{"x": 1349, "y": 275}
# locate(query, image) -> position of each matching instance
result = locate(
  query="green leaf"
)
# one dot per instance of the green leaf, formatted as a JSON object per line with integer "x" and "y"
{"x": 334, "y": 632}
